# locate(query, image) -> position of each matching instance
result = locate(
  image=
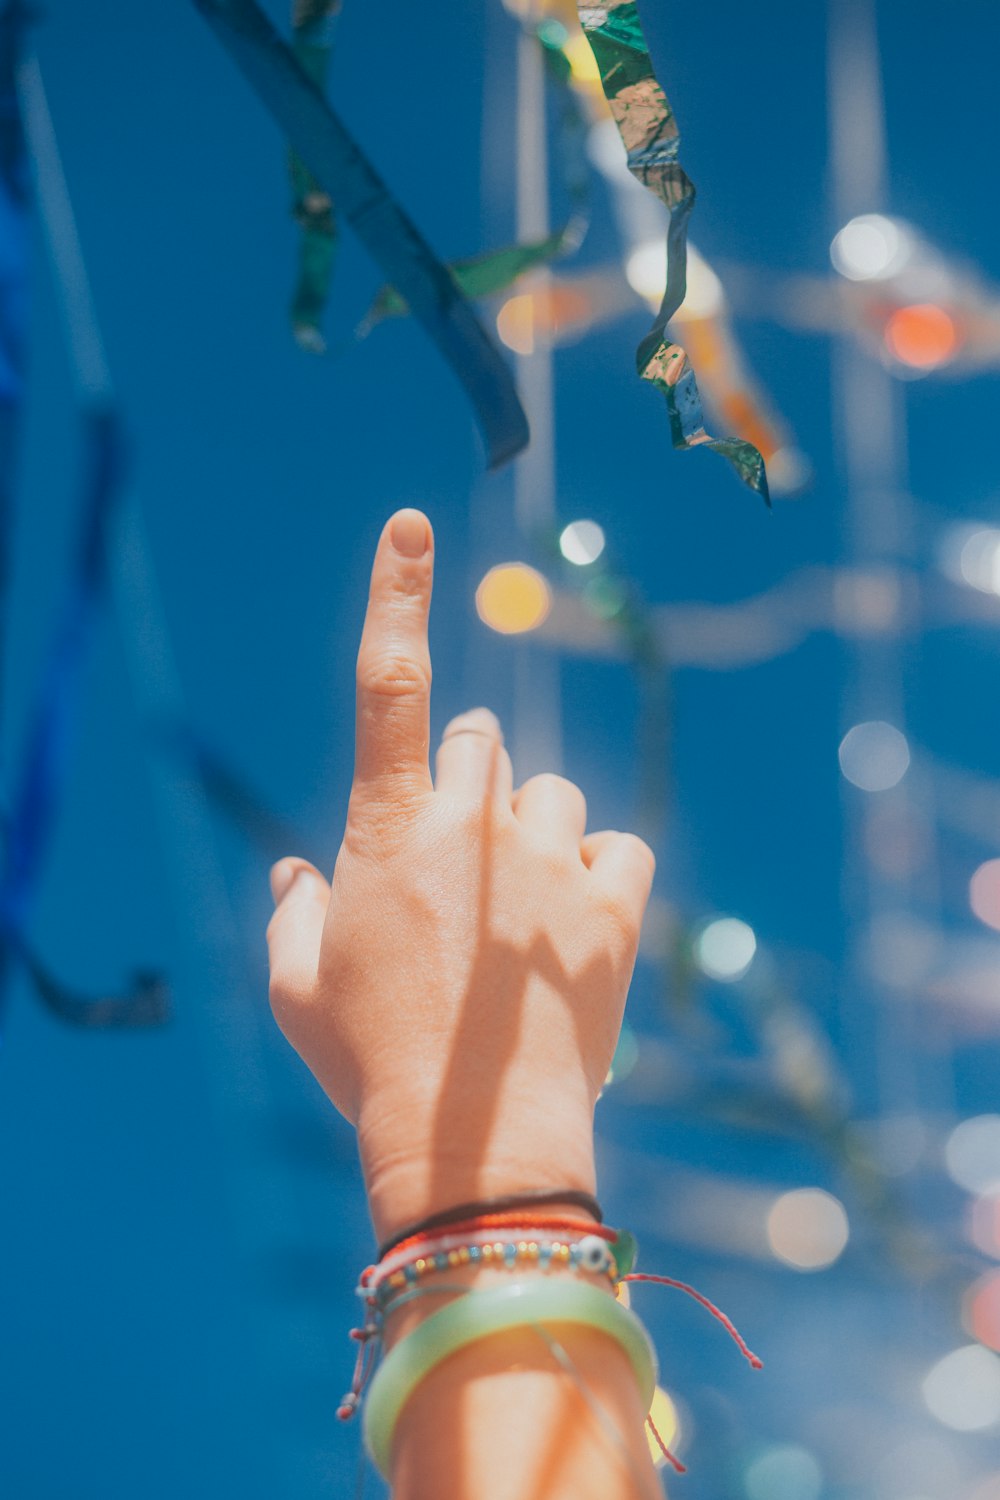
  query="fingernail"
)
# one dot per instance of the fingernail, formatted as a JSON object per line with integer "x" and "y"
{"x": 410, "y": 533}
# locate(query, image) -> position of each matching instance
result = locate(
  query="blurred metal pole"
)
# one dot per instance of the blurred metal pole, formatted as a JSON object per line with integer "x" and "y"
{"x": 537, "y": 730}
{"x": 889, "y": 858}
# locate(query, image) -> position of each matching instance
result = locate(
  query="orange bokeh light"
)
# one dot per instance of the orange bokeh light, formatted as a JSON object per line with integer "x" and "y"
{"x": 922, "y": 336}
{"x": 981, "y": 1310}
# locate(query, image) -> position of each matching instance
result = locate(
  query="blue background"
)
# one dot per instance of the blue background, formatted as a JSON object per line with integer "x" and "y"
{"x": 181, "y": 1217}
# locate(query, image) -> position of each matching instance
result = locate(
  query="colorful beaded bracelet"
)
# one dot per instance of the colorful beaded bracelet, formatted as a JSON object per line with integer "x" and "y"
{"x": 590, "y": 1254}
{"x": 477, "y": 1315}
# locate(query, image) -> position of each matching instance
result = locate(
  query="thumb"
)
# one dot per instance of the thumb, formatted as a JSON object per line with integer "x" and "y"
{"x": 295, "y": 932}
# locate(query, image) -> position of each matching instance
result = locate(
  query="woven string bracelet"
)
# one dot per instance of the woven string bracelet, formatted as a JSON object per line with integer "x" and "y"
{"x": 502, "y": 1204}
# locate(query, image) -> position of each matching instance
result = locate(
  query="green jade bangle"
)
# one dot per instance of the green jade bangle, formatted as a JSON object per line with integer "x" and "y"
{"x": 476, "y": 1315}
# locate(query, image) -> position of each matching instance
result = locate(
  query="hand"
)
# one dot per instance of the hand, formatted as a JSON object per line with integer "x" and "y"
{"x": 459, "y": 988}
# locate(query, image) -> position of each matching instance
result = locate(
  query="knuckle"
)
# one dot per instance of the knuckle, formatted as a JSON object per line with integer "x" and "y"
{"x": 640, "y": 849}
{"x": 393, "y": 674}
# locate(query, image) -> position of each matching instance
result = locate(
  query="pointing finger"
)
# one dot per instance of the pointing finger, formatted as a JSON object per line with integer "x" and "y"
{"x": 394, "y": 664}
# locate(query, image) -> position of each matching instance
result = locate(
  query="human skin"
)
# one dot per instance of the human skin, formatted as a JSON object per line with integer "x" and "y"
{"x": 458, "y": 990}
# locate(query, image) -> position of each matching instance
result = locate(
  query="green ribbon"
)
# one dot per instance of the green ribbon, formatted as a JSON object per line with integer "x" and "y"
{"x": 651, "y": 139}
{"x": 494, "y": 271}
{"x": 313, "y": 23}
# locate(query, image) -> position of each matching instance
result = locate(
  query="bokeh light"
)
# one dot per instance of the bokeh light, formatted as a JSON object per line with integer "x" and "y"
{"x": 922, "y": 336}
{"x": 870, "y": 248}
{"x": 807, "y": 1228}
{"x": 646, "y": 270}
{"x": 667, "y": 1423}
{"x": 984, "y": 893}
{"x": 513, "y": 598}
{"x": 972, "y": 1154}
{"x": 981, "y": 1310}
{"x": 581, "y": 542}
{"x": 646, "y": 273}
{"x": 516, "y": 323}
{"x": 783, "y": 1472}
{"x": 963, "y": 1389}
{"x": 984, "y": 1224}
{"x": 874, "y": 756}
{"x": 725, "y": 949}
{"x": 979, "y": 560}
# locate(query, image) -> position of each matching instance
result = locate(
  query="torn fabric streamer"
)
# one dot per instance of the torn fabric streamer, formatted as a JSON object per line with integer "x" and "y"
{"x": 651, "y": 139}
{"x": 364, "y": 201}
{"x": 313, "y": 23}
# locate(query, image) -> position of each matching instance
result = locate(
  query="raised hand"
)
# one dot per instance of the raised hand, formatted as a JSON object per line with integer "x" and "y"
{"x": 459, "y": 987}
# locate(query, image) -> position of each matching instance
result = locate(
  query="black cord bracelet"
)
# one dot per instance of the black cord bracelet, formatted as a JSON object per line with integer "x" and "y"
{"x": 505, "y": 1204}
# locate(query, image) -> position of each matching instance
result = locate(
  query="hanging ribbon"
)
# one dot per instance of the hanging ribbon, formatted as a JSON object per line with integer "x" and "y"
{"x": 313, "y": 24}
{"x": 651, "y": 139}
{"x": 52, "y": 720}
{"x": 495, "y": 271}
{"x": 363, "y": 199}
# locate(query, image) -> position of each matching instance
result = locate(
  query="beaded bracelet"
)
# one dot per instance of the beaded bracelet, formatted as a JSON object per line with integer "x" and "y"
{"x": 589, "y": 1254}
{"x": 477, "y": 1315}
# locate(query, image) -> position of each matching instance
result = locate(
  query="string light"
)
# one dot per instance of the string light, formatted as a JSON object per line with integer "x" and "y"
{"x": 783, "y": 1472}
{"x": 870, "y": 248}
{"x": 963, "y": 1389}
{"x": 874, "y": 756}
{"x": 984, "y": 893}
{"x": 667, "y": 1423}
{"x": 807, "y": 1228}
{"x": 922, "y": 336}
{"x": 581, "y": 542}
{"x": 516, "y": 324}
{"x": 972, "y": 1154}
{"x": 981, "y": 1310}
{"x": 513, "y": 598}
{"x": 725, "y": 949}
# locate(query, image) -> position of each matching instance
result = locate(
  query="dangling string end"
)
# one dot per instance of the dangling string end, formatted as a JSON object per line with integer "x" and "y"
{"x": 670, "y": 1457}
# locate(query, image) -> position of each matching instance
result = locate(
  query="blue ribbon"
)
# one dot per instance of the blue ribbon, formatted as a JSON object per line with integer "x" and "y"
{"x": 29, "y": 818}
{"x": 362, "y": 198}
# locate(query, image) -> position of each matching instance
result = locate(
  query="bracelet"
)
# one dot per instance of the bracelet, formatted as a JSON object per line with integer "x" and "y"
{"x": 546, "y": 1248}
{"x": 463, "y": 1211}
{"x": 522, "y": 1304}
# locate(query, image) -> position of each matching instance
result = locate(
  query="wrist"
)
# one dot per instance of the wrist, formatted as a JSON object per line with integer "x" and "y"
{"x": 409, "y": 1177}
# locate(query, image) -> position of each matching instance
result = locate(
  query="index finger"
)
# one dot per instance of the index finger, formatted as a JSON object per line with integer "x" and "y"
{"x": 392, "y": 735}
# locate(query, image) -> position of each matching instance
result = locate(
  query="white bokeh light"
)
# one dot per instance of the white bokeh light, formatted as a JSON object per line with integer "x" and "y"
{"x": 646, "y": 273}
{"x": 972, "y": 1154}
{"x": 784, "y": 1472}
{"x": 979, "y": 560}
{"x": 874, "y": 756}
{"x": 807, "y": 1228}
{"x": 646, "y": 269}
{"x": 581, "y": 542}
{"x": 725, "y": 949}
{"x": 963, "y": 1389}
{"x": 870, "y": 248}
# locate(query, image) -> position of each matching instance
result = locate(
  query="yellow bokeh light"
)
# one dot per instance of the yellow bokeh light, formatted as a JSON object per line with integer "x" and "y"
{"x": 516, "y": 324}
{"x": 582, "y": 60}
{"x": 663, "y": 1414}
{"x": 513, "y": 598}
